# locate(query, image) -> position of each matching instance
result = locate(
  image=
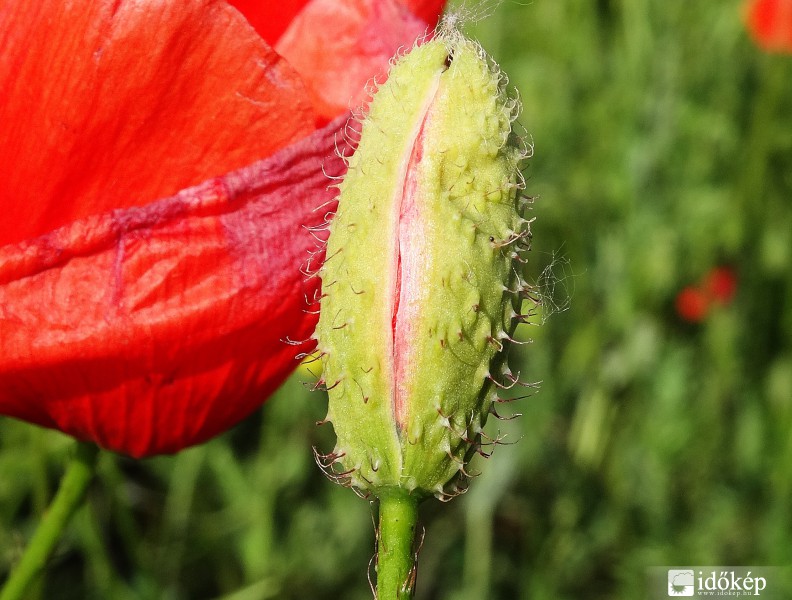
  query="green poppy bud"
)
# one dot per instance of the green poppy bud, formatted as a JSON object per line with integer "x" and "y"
{"x": 421, "y": 284}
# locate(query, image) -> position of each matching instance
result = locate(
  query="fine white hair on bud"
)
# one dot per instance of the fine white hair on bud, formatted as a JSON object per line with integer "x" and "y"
{"x": 427, "y": 249}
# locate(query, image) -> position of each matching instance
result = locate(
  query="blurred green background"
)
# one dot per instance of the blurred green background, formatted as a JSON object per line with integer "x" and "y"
{"x": 663, "y": 148}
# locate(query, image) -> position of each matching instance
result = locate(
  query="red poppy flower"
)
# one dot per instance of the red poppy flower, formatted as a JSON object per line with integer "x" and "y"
{"x": 721, "y": 284}
{"x": 692, "y": 304}
{"x": 770, "y": 24}
{"x": 147, "y": 275}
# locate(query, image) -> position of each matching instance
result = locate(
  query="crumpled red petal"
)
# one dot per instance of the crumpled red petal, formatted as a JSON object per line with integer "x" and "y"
{"x": 337, "y": 46}
{"x": 150, "y": 325}
{"x": 152, "y": 328}
{"x": 117, "y": 103}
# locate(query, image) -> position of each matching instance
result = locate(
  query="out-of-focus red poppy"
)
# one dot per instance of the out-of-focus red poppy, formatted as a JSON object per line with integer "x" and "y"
{"x": 692, "y": 304}
{"x": 149, "y": 267}
{"x": 718, "y": 287}
{"x": 721, "y": 284}
{"x": 770, "y": 24}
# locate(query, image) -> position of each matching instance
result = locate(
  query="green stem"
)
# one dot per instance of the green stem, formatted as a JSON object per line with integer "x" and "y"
{"x": 398, "y": 518}
{"x": 67, "y": 500}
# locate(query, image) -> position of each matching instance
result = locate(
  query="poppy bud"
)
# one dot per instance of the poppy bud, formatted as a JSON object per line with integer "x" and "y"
{"x": 421, "y": 284}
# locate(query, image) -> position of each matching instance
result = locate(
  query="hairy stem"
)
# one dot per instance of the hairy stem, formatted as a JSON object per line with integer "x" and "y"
{"x": 72, "y": 489}
{"x": 398, "y": 518}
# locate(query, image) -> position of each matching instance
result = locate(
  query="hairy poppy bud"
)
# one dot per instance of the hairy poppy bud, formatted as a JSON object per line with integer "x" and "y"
{"x": 421, "y": 284}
